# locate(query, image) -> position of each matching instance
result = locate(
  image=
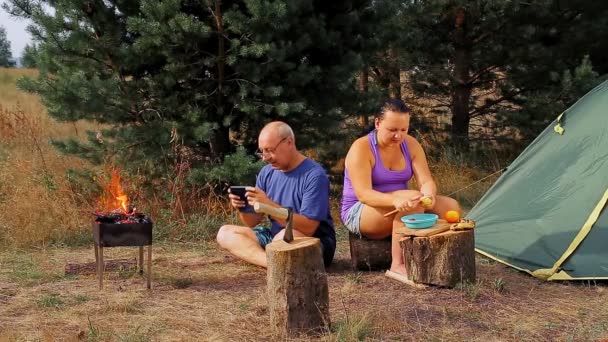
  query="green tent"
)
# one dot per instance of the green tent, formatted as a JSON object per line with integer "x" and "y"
{"x": 546, "y": 215}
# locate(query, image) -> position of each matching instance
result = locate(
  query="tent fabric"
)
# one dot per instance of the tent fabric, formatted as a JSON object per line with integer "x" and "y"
{"x": 552, "y": 198}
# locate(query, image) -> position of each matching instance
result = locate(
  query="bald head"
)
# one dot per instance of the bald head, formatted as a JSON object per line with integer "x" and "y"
{"x": 278, "y": 129}
{"x": 277, "y": 146}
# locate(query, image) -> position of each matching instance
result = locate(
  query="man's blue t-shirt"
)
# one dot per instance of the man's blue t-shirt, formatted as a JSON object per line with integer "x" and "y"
{"x": 304, "y": 189}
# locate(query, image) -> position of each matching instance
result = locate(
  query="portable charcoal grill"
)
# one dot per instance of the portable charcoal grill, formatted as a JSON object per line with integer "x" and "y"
{"x": 118, "y": 228}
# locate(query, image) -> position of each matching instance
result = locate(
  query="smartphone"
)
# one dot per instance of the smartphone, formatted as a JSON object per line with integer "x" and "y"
{"x": 240, "y": 191}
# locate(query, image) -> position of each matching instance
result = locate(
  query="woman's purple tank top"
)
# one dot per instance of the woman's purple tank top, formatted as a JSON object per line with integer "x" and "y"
{"x": 383, "y": 180}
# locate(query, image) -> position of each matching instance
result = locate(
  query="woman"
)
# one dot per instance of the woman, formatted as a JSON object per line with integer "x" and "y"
{"x": 377, "y": 170}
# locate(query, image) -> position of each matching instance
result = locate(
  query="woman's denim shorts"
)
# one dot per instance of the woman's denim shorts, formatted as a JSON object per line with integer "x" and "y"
{"x": 352, "y": 221}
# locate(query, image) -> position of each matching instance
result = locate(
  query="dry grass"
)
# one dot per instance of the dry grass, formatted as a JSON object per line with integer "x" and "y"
{"x": 201, "y": 293}
{"x": 37, "y": 205}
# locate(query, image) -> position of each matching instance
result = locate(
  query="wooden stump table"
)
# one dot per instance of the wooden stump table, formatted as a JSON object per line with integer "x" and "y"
{"x": 298, "y": 295}
{"x": 444, "y": 259}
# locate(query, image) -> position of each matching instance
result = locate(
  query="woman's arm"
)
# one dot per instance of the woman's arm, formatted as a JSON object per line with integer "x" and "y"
{"x": 420, "y": 166}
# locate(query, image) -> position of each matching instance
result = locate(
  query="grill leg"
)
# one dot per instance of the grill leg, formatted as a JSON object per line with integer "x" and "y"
{"x": 149, "y": 277}
{"x": 96, "y": 256}
{"x": 100, "y": 267}
{"x": 141, "y": 259}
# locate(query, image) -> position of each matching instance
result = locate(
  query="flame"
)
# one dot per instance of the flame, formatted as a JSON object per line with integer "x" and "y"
{"x": 114, "y": 196}
{"x": 123, "y": 201}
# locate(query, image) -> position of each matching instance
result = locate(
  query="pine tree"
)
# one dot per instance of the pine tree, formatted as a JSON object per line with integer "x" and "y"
{"x": 202, "y": 74}
{"x": 6, "y": 56}
{"x": 28, "y": 58}
{"x": 474, "y": 59}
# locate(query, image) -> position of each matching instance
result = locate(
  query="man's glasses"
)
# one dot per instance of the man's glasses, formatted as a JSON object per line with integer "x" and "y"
{"x": 269, "y": 151}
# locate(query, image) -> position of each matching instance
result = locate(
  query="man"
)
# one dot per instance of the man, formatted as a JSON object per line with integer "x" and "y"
{"x": 289, "y": 180}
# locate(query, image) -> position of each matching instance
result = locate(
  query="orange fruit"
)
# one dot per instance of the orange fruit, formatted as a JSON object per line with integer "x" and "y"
{"x": 452, "y": 216}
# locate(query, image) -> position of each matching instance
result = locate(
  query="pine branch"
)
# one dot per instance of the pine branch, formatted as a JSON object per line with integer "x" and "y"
{"x": 481, "y": 110}
{"x": 131, "y": 146}
{"x": 488, "y": 34}
{"x": 480, "y": 73}
{"x": 479, "y": 84}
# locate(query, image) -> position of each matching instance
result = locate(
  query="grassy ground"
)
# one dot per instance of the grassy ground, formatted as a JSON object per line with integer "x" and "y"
{"x": 200, "y": 293}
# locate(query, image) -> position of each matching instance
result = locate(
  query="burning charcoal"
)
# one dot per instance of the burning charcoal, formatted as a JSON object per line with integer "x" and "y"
{"x": 118, "y": 216}
{"x": 131, "y": 209}
{"x": 116, "y": 212}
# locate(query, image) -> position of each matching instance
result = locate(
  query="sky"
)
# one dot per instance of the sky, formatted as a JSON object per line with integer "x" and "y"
{"x": 15, "y": 32}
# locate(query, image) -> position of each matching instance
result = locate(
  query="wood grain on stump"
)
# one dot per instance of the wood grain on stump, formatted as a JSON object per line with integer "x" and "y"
{"x": 298, "y": 294}
{"x": 444, "y": 259}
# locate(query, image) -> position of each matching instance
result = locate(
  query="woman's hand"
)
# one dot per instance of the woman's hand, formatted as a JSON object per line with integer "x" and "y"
{"x": 407, "y": 202}
{"x": 427, "y": 201}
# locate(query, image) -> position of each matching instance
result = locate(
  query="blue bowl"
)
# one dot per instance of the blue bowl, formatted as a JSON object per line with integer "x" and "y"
{"x": 419, "y": 221}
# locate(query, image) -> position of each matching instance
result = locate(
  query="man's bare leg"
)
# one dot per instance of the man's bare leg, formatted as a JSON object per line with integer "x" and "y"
{"x": 242, "y": 243}
{"x": 281, "y": 234}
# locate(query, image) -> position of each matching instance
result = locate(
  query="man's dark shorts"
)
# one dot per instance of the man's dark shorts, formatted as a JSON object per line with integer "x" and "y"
{"x": 328, "y": 247}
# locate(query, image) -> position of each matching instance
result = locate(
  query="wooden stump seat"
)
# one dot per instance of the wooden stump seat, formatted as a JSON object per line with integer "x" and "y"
{"x": 369, "y": 255}
{"x": 444, "y": 259}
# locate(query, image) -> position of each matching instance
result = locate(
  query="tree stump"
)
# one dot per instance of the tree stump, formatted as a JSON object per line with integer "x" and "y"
{"x": 369, "y": 255}
{"x": 444, "y": 259}
{"x": 298, "y": 295}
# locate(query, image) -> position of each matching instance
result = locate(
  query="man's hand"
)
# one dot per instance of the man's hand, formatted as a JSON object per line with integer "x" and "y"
{"x": 235, "y": 200}
{"x": 257, "y": 195}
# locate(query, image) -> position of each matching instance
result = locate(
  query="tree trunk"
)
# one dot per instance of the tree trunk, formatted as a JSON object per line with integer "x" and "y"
{"x": 221, "y": 51}
{"x": 394, "y": 86}
{"x": 220, "y": 143}
{"x": 298, "y": 295}
{"x": 444, "y": 259}
{"x": 462, "y": 86}
{"x": 363, "y": 87}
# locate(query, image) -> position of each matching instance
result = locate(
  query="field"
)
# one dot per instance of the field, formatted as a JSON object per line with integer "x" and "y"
{"x": 201, "y": 293}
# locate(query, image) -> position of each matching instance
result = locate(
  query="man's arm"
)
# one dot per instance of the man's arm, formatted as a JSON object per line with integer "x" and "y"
{"x": 250, "y": 219}
{"x": 315, "y": 202}
{"x": 300, "y": 222}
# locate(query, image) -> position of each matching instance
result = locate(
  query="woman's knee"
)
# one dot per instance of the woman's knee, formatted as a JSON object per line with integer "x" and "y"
{"x": 452, "y": 204}
{"x": 377, "y": 229}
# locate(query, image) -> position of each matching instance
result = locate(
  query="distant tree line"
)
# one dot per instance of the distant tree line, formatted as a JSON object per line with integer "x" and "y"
{"x": 28, "y": 58}
{"x": 196, "y": 80}
{"x": 6, "y": 55}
